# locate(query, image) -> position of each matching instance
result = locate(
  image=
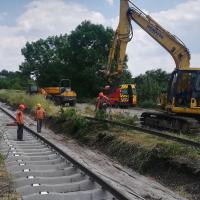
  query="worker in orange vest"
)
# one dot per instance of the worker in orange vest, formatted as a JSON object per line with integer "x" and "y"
{"x": 20, "y": 121}
{"x": 39, "y": 116}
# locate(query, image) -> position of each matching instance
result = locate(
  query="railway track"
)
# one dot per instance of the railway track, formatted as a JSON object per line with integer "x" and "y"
{"x": 43, "y": 171}
{"x": 150, "y": 131}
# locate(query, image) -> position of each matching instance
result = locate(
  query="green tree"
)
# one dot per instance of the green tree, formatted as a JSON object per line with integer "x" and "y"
{"x": 150, "y": 85}
{"x": 12, "y": 80}
{"x": 44, "y": 59}
{"x": 78, "y": 56}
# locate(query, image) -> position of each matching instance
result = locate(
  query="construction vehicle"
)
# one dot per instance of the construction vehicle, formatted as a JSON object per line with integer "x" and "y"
{"x": 122, "y": 96}
{"x": 181, "y": 103}
{"x": 61, "y": 94}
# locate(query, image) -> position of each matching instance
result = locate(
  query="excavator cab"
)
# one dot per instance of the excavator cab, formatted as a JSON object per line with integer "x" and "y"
{"x": 65, "y": 85}
{"x": 184, "y": 89}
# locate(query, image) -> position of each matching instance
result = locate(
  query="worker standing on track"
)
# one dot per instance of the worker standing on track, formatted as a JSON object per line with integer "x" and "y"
{"x": 39, "y": 116}
{"x": 20, "y": 121}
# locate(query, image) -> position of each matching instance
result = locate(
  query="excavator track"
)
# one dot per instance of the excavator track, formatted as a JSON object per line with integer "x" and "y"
{"x": 170, "y": 121}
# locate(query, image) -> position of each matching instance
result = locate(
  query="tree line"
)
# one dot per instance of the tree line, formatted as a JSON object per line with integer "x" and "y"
{"x": 78, "y": 56}
{"x": 150, "y": 85}
{"x": 13, "y": 80}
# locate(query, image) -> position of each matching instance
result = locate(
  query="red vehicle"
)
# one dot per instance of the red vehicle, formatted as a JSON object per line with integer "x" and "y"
{"x": 124, "y": 95}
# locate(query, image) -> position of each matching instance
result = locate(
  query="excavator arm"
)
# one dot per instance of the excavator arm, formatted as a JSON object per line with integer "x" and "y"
{"x": 123, "y": 35}
{"x": 171, "y": 43}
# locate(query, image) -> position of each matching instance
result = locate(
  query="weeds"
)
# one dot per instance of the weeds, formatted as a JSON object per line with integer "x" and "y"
{"x": 100, "y": 114}
{"x": 77, "y": 121}
{"x": 6, "y": 183}
{"x": 124, "y": 118}
{"x": 89, "y": 110}
{"x": 14, "y": 98}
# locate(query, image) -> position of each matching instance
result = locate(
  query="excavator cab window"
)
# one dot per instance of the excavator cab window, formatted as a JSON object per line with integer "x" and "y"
{"x": 65, "y": 85}
{"x": 197, "y": 90}
{"x": 197, "y": 85}
{"x": 171, "y": 87}
{"x": 130, "y": 94}
{"x": 183, "y": 87}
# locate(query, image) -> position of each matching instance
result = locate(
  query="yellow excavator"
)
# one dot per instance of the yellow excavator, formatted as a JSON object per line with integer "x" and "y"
{"x": 181, "y": 103}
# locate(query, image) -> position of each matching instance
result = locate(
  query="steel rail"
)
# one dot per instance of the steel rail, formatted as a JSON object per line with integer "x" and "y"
{"x": 149, "y": 131}
{"x": 105, "y": 185}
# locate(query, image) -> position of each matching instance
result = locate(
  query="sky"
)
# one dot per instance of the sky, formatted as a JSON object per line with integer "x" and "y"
{"x": 30, "y": 20}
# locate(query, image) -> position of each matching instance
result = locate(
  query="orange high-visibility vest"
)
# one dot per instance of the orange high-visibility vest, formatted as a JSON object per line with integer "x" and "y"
{"x": 39, "y": 113}
{"x": 20, "y": 117}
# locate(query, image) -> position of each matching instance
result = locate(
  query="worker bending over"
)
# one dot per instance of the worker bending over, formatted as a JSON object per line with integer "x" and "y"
{"x": 39, "y": 116}
{"x": 102, "y": 102}
{"x": 20, "y": 121}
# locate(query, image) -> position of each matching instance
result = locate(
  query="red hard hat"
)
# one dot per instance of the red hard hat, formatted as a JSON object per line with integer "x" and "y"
{"x": 101, "y": 94}
{"x": 22, "y": 107}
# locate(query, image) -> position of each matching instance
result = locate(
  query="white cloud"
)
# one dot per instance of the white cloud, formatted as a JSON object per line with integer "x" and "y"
{"x": 55, "y": 17}
{"x": 110, "y": 2}
{"x": 41, "y": 19}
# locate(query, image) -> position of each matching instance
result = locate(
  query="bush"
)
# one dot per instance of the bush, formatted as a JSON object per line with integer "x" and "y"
{"x": 77, "y": 121}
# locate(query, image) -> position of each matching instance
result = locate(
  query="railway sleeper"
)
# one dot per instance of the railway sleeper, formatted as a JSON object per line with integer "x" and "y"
{"x": 96, "y": 194}
{"x": 43, "y": 172}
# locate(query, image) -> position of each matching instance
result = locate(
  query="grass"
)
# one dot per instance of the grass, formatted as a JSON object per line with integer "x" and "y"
{"x": 89, "y": 110}
{"x": 103, "y": 134}
{"x": 165, "y": 148}
{"x": 14, "y": 98}
{"x": 6, "y": 184}
{"x": 124, "y": 118}
{"x": 74, "y": 119}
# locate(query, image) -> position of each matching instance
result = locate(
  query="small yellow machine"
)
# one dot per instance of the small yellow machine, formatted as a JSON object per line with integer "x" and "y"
{"x": 61, "y": 95}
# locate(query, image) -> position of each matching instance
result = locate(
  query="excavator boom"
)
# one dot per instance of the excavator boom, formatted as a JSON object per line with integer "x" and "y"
{"x": 121, "y": 38}
{"x": 171, "y": 43}
{"x": 124, "y": 34}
